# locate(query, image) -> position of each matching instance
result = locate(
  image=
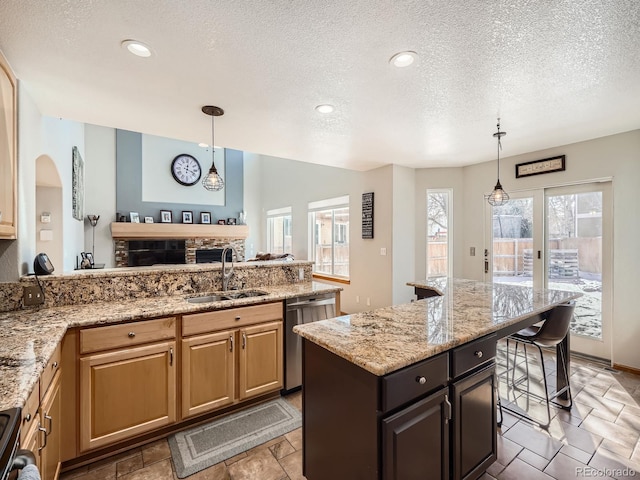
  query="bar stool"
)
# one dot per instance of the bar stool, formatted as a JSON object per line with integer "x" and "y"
{"x": 548, "y": 334}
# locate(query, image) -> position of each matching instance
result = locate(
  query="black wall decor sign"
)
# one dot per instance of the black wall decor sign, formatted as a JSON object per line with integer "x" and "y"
{"x": 367, "y": 215}
{"x": 537, "y": 167}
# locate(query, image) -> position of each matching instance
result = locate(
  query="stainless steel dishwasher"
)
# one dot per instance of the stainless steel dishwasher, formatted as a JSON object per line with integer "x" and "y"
{"x": 302, "y": 310}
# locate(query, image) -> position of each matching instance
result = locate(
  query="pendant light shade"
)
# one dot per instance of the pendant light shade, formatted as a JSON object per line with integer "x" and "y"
{"x": 213, "y": 181}
{"x": 498, "y": 196}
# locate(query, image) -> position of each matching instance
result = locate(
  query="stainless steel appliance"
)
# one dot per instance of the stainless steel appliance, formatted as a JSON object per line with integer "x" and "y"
{"x": 11, "y": 459}
{"x": 298, "y": 311}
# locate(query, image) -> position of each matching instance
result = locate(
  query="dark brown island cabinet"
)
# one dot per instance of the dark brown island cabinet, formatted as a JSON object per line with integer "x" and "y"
{"x": 433, "y": 419}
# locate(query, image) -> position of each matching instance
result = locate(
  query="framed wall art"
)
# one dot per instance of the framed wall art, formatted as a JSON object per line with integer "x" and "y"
{"x": 538, "y": 167}
{"x": 165, "y": 216}
{"x": 187, "y": 216}
{"x": 205, "y": 217}
{"x": 77, "y": 185}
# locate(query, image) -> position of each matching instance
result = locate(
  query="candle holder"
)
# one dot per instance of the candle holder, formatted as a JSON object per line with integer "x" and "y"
{"x": 93, "y": 220}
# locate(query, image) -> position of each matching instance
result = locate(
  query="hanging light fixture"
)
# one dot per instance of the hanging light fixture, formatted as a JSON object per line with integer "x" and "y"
{"x": 213, "y": 181}
{"x": 498, "y": 196}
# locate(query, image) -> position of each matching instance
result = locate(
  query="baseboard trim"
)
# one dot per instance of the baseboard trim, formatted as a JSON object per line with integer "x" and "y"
{"x": 627, "y": 369}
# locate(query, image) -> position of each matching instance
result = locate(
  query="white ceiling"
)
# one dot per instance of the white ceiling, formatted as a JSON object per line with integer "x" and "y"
{"x": 555, "y": 71}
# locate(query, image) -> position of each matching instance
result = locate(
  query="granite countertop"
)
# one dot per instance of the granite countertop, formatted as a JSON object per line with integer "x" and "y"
{"x": 28, "y": 338}
{"x": 387, "y": 339}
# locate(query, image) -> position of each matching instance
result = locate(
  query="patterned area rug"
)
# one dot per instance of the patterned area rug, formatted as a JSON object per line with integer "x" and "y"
{"x": 201, "y": 447}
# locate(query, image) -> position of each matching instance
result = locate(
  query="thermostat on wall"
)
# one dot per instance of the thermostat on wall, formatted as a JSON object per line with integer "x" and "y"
{"x": 45, "y": 217}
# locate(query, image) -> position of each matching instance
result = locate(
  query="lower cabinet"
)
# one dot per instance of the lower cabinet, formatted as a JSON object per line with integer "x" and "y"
{"x": 50, "y": 429}
{"x": 411, "y": 424}
{"x": 228, "y": 366}
{"x": 474, "y": 424}
{"x": 125, "y": 393}
{"x": 416, "y": 439}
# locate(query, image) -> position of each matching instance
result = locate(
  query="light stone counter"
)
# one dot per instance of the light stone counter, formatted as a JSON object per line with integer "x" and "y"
{"x": 29, "y": 337}
{"x": 387, "y": 339}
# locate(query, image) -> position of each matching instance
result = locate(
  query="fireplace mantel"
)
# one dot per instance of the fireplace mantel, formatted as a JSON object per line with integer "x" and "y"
{"x": 178, "y": 231}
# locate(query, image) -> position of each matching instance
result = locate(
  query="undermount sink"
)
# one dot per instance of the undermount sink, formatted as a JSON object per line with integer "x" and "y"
{"x": 231, "y": 295}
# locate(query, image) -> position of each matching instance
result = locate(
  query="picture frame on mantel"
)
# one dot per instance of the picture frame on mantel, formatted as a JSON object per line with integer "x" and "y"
{"x": 205, "y": 218}
{"x": 166, "y": 216}
{"x": 538, "y": 167}
{"x": 187, "y": 216}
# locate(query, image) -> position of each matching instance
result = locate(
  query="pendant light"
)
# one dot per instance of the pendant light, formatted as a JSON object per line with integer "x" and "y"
{"x": 213, "y": 181}
{"x": 498, "y": 196}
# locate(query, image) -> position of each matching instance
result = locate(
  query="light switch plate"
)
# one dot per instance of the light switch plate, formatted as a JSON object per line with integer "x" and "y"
{"x": 472, "y": 251}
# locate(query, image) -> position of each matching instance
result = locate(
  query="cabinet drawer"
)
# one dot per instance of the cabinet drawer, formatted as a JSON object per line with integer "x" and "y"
{"x": 234, "y": 317}
{"x": 472, "y": 355}
{"x": 53, "y": 365}
{"x": 128, "y": 334}
{"x": 403, "y": 386}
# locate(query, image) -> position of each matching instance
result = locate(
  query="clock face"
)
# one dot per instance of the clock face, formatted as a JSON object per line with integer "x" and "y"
{"x": 186, "y": 169}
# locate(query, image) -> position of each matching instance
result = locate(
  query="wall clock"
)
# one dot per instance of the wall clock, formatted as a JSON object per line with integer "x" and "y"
{"x": 186, "y": 170}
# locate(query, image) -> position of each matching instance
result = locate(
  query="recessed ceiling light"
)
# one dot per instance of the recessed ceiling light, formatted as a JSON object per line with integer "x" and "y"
{"x": 137, "y": 48}
{"x": 325, "y": 108}
{"x": 403, "y": 59}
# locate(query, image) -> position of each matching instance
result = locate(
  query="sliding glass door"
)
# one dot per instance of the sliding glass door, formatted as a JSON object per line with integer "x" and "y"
{"x": 560, "y": 238}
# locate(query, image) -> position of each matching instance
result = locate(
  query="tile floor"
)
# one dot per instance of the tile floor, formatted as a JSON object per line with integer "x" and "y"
{"x": 599, "y": 438}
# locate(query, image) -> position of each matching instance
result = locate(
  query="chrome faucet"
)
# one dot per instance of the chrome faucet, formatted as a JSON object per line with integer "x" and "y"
{"x": 227, "y": 276}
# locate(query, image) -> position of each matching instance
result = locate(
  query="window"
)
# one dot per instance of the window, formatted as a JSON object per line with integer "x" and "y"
{"x": 279, "y": 230}
{"x": 329, "y": 236}
{"x": 439, "y": 236}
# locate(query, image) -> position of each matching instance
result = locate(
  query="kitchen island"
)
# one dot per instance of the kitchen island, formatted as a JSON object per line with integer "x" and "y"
{"x": 387, "y": 392}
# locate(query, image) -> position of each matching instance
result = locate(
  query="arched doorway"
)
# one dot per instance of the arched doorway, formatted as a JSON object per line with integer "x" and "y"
{"x": 49, "y": 228}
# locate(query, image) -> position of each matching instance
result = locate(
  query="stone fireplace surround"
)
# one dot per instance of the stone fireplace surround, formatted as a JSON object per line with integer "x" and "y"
{"x": 191, "y": 245}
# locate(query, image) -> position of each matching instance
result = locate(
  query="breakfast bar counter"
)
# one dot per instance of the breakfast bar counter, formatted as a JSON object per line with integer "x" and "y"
{"x": 409, "y": 391}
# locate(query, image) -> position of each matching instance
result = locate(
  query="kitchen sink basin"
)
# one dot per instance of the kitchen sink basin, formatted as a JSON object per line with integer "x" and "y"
{"x": 231, "y": 295}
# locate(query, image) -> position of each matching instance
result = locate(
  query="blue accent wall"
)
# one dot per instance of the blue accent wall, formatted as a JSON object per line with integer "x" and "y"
{"x": 129, "y": 184}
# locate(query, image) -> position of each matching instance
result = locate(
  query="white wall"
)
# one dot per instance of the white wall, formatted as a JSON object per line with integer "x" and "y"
{"x": 284, "y": 183}
{"x": 616, "y": 156}
{"x": 48, "y": 199}
{"x": 404, "y": 233}
{"x": 100, "y": 195}
{"x": 253, "y": 207}
{"x": 38, "y": 135}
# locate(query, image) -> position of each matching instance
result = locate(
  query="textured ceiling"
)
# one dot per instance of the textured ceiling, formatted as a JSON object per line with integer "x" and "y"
{"x": 556, "y": 72}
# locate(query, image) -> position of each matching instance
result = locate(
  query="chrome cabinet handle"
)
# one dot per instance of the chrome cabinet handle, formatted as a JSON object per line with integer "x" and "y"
{"x": 44, "y": 430}
{"x": 478, "y": 353}
{"x": 231, "y": 343}
{"x": 421, "y": 380}
{"x": 237, "y": 317}
{"x": 55, "y": 365}
{"x": 27, "y": 418}
{"x": 171, "y": 357}
{"x": 47, "y": 417}
{"x": 244, "y": 340}
{"x": 132, "y": 334}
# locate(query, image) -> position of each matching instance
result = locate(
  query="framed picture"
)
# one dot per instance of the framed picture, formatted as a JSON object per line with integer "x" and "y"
{"x": 205, "y": 217}
{"x": 77, "y": 185}
{"x": 231, "y": 221}
{"x": 187, "y": 216}
{"x": 165, "y": 216}
{"x": 148, "y": 219}
{"x": 537, "y": 167}
{"x": 135, "y": 218}
{"x": 222, "y": 222}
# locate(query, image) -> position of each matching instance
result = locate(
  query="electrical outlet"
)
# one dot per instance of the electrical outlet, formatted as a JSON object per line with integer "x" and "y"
{"x": 357, "y": 298}
{"x": 368, "y": 302}
{"x": 383, "y": 251}
{"x": 32, "y": 296}
{"x": 301, "y": 273}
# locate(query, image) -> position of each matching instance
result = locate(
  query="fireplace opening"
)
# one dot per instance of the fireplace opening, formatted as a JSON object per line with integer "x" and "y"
{"x": 156, "y": 252}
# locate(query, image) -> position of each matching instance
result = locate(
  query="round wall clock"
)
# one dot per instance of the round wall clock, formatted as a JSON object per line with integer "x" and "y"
{"x": 186, "y": 170}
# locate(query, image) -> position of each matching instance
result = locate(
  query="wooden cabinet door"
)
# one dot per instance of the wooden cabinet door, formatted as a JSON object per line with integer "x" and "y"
{"x": 474, "y": 425}
{"x": 50, "y": 411}
{"x": 260, "y": 359}
{"x": 208, "y": 372}
{"x": 8, "y": 152}
{"x": 415, "y": 441}
{"x": 126, "y": 393}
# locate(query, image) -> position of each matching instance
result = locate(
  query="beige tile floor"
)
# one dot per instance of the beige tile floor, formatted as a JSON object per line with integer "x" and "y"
{"x": 599, "y": 438}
